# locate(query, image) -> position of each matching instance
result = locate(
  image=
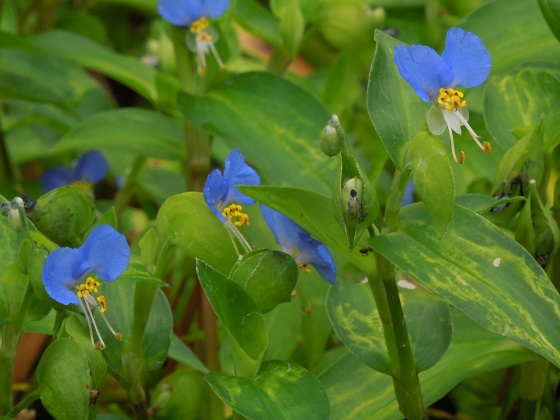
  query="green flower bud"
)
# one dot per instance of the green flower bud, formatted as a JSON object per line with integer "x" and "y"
{"x": 332, "y": 137}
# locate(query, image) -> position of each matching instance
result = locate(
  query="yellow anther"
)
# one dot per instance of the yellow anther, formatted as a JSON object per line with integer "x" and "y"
{"x": 204, "y": 37}
{"x": 305, "y": 268}
{"x": 233, "y": 214}
{"x": 462, "y": 157}
{"x": 82, "y": 291}
{"x": 199, "y": 25}
{"x": 487, "y": 148}
{"x": 450, "y": 99}
{"x": 92, "y": 284}
{"x": 102, "y": 303}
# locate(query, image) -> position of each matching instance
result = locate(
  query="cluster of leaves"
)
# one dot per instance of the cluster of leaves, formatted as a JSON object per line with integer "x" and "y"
{"x": 473, "y": 265}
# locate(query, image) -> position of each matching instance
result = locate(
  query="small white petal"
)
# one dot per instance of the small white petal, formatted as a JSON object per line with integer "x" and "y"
{"x": 436, "y": 123}
{"x": 452, "y": 120}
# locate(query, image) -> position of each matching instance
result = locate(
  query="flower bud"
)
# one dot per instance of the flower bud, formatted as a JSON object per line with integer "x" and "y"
{"x": 332, "y": 137}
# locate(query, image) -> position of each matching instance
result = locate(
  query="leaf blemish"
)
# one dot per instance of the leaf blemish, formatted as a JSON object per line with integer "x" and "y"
{"x": 497, "y": 262}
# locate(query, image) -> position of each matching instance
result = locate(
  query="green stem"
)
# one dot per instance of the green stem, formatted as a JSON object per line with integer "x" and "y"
{"x": 25, "y": 402}
{"x": 278, "y": 62}
{"x": 125, "y": 194}
{"x": 403, "y": 367}
{"x": 6, "y": 167}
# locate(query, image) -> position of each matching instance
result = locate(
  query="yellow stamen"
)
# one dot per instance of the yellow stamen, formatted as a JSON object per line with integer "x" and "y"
{"x": 450, "y": 99}
{"x": 234, "y": 215}
{"x": 199, "y": 25}
{"x": 92, "y": 284}
{"x": 487, "y": 148}
{"x": 305, "y": 268}
{"x": 461, "y": 157}
{"x": 82, "y": 291}
{"x": 102, "y": 303}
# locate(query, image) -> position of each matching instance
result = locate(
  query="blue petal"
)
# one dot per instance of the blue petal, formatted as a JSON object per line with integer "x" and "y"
{"x": 91, "y": 166}
{"x": 61, "y": 270}
{"x": 285, "y": 231}
{"x": 107, "y": 252}
{"x": 56, "y": 177}
{"x": 468, "y": 58}
{"x": 237, "y": 172}
{"x": 408, "y": 197}
{"x": 423, "y": 69}
{"x": 215, "y": 8}
{"x": 182, "y": 12}
{"x": 214, "y": 193}
{"x": 313, "y": 252}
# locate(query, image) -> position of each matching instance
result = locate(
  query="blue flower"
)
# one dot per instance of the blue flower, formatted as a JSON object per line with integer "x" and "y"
{"x": 223, "y": 197}
{"x": 90, "y": 167}
{"x": 194, "y": 14}
{"x": 186, "y": 12}
{"x": 465, "y": 62}
{"x": 68, "y": 272}
{"x": 294, "y": 240}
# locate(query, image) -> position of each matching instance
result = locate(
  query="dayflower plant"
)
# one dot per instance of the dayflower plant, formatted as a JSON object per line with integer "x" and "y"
{"x": 297, "y": 242}
{"x": 224, "y": 199}
{"x": 90, "y": 167}
{"x": 194, "y": 14}
{"x": 465, "y": 62}
{"x": 71, "y": 275}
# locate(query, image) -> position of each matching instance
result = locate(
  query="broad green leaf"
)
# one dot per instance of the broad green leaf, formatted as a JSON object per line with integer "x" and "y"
{"x": 522, "y": 99}
{"x": 433, "y": 179}
{"x": 284, "y": 330}
{"x": 480, "y": 270}
{"x": 11, "y": 241}
{"x": 140, "y": 131}
{"x": 473, "y": 350}
{"x": 120, "y": 312}
{"x": 41, "y": 78}
{"x": 258, "y": 21}
{"x": 526, "y": 37}
{"x": 280, "y": 139}
{"x": 180, "y": 395}
{"x": 551, "y": 12}
{"x": 354, "y": 316}
{"x": 79, "y": 333}
{"x": 127, "y": 70}
{"x": 291, "y": 23}
{"x": 190, "y": 225}
{"x": 281, "y": 390}
{"x": 64, "y": 380}
{"x": 180, "y": 352}
{"x": 239, "y": 316}
{"x": 269, "y": 277}
{"x": 64, "y": 214}
{"x": 312, "y": 211}
{"x": 396, "y": 112}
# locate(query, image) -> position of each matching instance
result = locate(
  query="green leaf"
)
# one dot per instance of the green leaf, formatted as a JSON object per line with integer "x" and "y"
{"x": 79, "y": 333}
{"x": 433, "y": 179}
{"x": 521, "y": 99}
{"x": 525, "y": 38}
{"x": 258, "y": 21}
{"x": 64, "y": 214}
{"x": 354, "y": 316}
{"x": 127, "y": 70}
{"x": 190, "y": 225}
{"x": 64, "y": 380}
{"x": 239, "y": 315}
{"x": 551, "y": 12}
{"x": 473, "y": 350}
{"x": 291, "y": 23}
{"x": 139, "y": 131}
{"x": 120, "y": 312}
{"x": 284, "y": 330}
{"x": 181, "y": 353}
{"x": 281, "y": 390}
{"x": 482, "y": 271}
{"x": 242, "y": 113}
{"x": 269, "y": 277}
{"x": 396, "y": 112}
